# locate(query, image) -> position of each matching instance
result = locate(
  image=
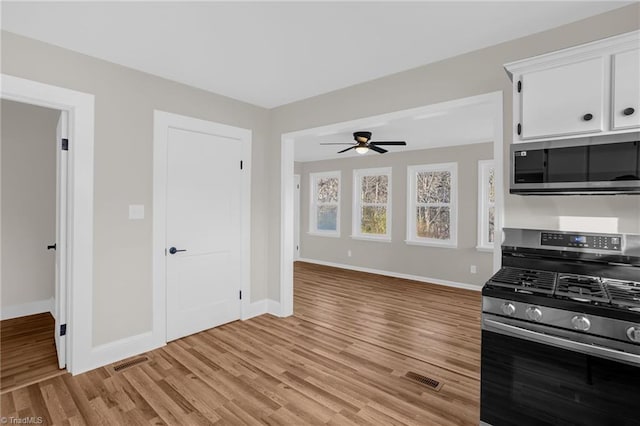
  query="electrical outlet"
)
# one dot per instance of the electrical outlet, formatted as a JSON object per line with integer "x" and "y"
{"x": 348, "y": 253}
{"x": 473, "y": 269}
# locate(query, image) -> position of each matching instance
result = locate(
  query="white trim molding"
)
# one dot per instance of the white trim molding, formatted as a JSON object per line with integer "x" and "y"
{"x": 80, "y": 109}
{"x": 162, "y": 122}
{"x": 484, "y": 204}
{"x": 26, "y": 309}
{"x": 413, "y": 204}
{"x": 356, "y": 232}
{"x": 314, "y": 204}
{"x": 287, "y": 146}
{"x": 419, "y": 278}
{"x": 261, "y": 307}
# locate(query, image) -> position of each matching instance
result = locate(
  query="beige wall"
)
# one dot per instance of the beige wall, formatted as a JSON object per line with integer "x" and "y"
{"x": 124, "y": 104}
{"x": 125, "y": 100}
{"x": 450, "y": 264}
{"x": 466, "y": 75}
{"x": 28, "y": 203}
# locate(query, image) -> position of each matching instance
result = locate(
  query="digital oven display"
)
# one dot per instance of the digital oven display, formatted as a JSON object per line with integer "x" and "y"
{"x": 595, "y": 241}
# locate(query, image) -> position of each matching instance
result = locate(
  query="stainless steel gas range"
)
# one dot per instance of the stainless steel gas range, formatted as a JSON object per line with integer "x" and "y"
{"x": 561, "y": 331}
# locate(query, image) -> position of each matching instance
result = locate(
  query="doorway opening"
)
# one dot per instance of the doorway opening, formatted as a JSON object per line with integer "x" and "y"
{"x": 492, "y": 103}
{"x": 73, "y": 308}
{"x": 34, "y": 240}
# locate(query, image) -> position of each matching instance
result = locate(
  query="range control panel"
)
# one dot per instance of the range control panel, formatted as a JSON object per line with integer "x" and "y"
{"x": 598, "y": 242}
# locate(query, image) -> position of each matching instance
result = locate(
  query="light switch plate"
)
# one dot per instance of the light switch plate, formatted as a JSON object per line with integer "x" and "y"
{"x": 136, "y": 211}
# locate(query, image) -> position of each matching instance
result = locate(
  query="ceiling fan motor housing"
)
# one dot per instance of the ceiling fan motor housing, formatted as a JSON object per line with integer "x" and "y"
{"x": 362, "y": 137}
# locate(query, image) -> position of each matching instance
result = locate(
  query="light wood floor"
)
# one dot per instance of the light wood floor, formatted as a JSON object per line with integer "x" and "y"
{"x": 324, "y": 365}
{"x": 436, "y": 324}
{"x": 27, "y": 351}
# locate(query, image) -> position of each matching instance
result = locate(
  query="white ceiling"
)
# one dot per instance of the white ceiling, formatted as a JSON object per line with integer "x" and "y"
{"x": 436, "y": 127}
{"x": 270, "y": 54}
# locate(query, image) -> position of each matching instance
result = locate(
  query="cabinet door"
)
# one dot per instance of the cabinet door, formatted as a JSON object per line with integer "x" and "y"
{"x": 564, "y": 100}
{"x": 626, "y": 89}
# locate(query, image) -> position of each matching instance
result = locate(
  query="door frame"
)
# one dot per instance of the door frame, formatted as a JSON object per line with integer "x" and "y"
{"x": 162, "y": 122}
{"x": 287, "y": 149}
{"x": 79, "y": 301}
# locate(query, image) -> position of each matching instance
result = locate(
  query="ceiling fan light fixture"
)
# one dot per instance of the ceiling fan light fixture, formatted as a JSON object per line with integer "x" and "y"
{"x": 362, "y": 149}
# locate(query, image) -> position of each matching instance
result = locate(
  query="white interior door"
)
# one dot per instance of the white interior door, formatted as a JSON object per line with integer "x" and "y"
{"x": 203, "y": 231}
{"x": 296, "y": 217}
{"x": 60, "y": 302}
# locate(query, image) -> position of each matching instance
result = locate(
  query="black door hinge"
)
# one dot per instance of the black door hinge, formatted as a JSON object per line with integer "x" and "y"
{"x": 519, "y": 86}
{"x": 63, "y": 329}
{"x": 519, "y": 128}
{"x": 241, "y": 164}
{"x": 240, "y": 294}
{"x": 65, "y": 144}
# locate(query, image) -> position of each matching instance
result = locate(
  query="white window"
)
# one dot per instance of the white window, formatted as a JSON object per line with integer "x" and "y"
{"x": 372, "y": 204}
{"x": 432, "y": 205}
{"x": 325, "y": 204}
{"x": 486, "y": 204}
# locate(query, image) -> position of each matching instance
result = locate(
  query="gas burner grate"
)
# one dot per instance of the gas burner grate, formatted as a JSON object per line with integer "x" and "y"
{"x": 623, "y": 293}
{"x": 531, "y": 280}
{"x": 581, "y": 288}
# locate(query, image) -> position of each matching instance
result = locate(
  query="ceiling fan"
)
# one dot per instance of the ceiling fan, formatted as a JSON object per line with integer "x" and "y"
{"x": 364, "y": 144}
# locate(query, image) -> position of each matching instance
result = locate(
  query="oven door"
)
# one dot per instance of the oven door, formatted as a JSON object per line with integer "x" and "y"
{"x": 528, "y": 378}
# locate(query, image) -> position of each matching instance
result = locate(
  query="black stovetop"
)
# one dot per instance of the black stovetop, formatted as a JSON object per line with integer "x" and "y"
{"x": 579, "y": 293}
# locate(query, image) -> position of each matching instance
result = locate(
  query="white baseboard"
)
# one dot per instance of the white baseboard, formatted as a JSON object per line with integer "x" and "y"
{"x": 135, "y": 345}
{"x": 116, "y": 351}
{"x": 255, "y": 309}
{"x": 396, "y": 275}
{"x": 264, "y": 306}
{"x": 25, "y": 309}
{"x": 273, "y": 308}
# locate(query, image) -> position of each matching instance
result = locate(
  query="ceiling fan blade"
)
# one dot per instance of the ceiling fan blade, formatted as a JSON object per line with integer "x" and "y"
{"x": 345, "y": 150}
{"x": 377, "y": 149}
{"x": 339, "y": 143}
{"x": 388, "y": 143}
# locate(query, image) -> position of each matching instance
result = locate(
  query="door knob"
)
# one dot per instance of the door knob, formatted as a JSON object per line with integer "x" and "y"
{"x": 174, "y": 250}
{"x": 51, "y": 247}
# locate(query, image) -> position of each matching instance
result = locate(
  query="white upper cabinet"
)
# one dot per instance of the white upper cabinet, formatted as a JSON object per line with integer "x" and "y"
{"x": 587, "y": 90}
{"x": 626, "y": 89}
{"x": 563, "y": 100}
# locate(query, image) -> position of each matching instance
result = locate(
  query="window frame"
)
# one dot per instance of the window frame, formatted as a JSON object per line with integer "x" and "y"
{"x": 356, "y": 232}
{"x": 313, "y": 203}
{"x": 412, "y": 205}
{"x": 484, "y": 166}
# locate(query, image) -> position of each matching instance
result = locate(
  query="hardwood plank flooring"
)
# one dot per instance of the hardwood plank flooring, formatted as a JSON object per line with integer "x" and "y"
{"x": 27, "y": 351}
{"x": 436, "y": 324}
{"x": 305, "y": 369}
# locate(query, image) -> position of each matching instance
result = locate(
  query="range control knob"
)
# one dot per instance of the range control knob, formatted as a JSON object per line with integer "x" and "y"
{"x": 508, "y": 308}
{"x": 534, "y": 313}
{"x": 580, "y": 322}
{"x": 633, "y": 333}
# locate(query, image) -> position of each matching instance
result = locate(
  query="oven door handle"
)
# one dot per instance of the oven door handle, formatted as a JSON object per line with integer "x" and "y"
{"x": 534, "y": 336}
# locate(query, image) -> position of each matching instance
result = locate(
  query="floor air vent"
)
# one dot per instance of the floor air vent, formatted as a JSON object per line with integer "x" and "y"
{"x": 128, "y": 364}
{"x": 424, "y": 380}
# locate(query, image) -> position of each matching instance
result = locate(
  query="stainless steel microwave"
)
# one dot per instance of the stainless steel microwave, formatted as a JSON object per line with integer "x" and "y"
{"x": 591, "y": 165}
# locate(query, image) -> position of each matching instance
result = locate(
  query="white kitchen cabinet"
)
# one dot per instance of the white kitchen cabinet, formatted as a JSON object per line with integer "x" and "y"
{"x": 626, "y": 89}
{"x": 563, "y": 100}
{"x": 587, "y": 90}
